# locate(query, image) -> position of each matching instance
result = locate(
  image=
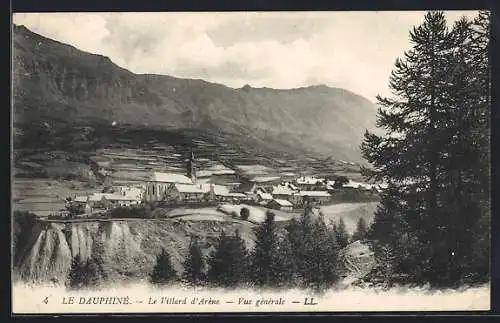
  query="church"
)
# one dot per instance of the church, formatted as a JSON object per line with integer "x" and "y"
{"x": 176, "y": 187}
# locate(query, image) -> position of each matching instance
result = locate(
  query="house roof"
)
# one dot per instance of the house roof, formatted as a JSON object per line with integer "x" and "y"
{"x": 190, "y": 188}
{"x": 170, "y": 178}
{"x": 282, "y": 190}
{"x": 96, "y": 197}
{"x": 81, "y": 198}
{"x": 314, "y": 193}
{"x": 245, "y": 186}
{"x": 282, "y": 202}
{"x": 131, "y": 191}
{"x": 119, "y": 197}
{"x": 205, "y": 187}
{"x": 264, "y": 179}
{"x": 220, "y": 190}
{"x": 265, "y": 196}
{"x": 308, "y": 180}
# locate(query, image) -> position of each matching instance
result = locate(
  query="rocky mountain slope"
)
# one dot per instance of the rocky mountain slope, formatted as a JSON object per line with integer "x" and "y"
{"x": 57, "y": 83}
{"x": 131, "y": 246}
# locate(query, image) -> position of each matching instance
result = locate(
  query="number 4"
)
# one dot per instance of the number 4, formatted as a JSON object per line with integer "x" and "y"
{"x": 46, "y": 300}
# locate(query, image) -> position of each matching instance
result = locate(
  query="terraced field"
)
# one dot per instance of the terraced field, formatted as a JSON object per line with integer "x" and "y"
{"x": 45, "y": 196}
{"x": 45, "y": 177}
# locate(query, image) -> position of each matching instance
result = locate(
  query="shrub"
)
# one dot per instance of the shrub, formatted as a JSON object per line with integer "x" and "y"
{"x": 22, "y": 231}
{"x": 340, "y": 181}
{"x": 163, "y": 271}
{"x": 75, "y": 209}
{"x": 245, "y": 213}
{"x": 141, "y": 211}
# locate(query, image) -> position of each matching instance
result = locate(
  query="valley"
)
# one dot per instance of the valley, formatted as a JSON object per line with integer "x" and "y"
{"x": 83, "y": 125}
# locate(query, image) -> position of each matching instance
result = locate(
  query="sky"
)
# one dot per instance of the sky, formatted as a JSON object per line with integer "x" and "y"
{"x": 351, "y": 50}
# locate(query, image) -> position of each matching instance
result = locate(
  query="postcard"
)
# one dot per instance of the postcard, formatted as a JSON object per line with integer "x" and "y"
{"x": 202, "y": 162}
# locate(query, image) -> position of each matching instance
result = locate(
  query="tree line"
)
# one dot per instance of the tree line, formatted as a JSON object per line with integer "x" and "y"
{"x": 433, "y": 222}
{"x": 305, "y": 253}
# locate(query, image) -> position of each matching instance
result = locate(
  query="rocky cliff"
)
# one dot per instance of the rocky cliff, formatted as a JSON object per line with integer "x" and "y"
{"x": 129, "y": 246}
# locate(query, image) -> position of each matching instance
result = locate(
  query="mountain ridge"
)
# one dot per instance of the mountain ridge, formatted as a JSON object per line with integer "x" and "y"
{"x": 57, "y": 81}
{"x": 319, "y": 85}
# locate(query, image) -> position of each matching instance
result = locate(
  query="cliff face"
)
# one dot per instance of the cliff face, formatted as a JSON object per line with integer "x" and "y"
{"x": 57, "y": 82}
{"x": 130, "y": 247}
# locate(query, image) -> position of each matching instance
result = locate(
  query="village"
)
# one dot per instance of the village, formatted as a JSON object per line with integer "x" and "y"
{"x": 176, "y": 190}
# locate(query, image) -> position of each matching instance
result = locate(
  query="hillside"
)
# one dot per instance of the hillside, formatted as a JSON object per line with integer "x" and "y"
{"x": 131, "y": 246}
{"x": 59, "y": 84}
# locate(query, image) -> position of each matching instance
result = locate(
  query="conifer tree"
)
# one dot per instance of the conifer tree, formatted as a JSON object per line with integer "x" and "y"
{"x": 263, "y": 256}
{"x": 386, "y": 265}
{"x": 431, "y": 153}
{"x": 361, "y": 230}
{"x": 98, "y": 262}
{"x": 315, "y": 251}
{"x": 468, "y": 162}
{"x": 228, "y": 263}
{"x": 299, "y": 234}
{"x": 93, "y": 273}
{"x": 325, "y": 256}
{"x": 163, "y": 271}
{"x": 244, "y": 213}
{"x": 194, "y": 265}
{"x": 76, "y": 275}
{"x": 341, "y": 234}
{"x": 284, "y": 266}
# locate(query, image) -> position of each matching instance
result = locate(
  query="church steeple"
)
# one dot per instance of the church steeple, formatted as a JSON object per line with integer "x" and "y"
{"x": 191, "y": 167}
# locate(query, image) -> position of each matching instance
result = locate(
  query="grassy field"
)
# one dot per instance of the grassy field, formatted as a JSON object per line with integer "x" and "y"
{"x": 350, "y": 213}
{"x": 45, "y": 196}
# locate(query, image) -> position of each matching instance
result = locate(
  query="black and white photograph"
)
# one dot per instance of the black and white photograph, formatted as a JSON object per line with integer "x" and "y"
{"x": 196, "y": 162}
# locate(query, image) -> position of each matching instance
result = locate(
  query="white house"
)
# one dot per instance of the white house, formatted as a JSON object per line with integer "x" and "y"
{"x": 137, "y": 192}
{"x": 88, "y": 209}
{"x": 121, "y": 200}
{"x": 264, "y": 197}
{"x": 80, "y": 199}
{"x": 97, "y": 200}
{"x": 283, "y": 192}
{"x": 359, "y": 185}
{"x": 107, "y": 200}
{"x": 308, "y": 182}
{"x": 278, "y": 204}
{"x": 223, "y": 193}
{"x": 186, "y": 192}
{"x": 159, "y": 183}
{"x": 248, "y": 188}
{"x": 315, "y": 196}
